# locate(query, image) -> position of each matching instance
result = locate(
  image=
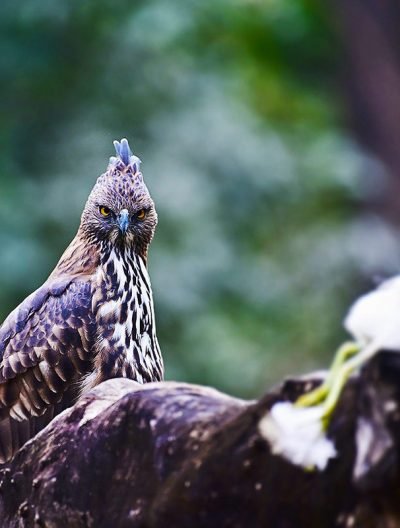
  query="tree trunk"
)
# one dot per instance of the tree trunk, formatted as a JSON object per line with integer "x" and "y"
{"x": 369, "y": 31}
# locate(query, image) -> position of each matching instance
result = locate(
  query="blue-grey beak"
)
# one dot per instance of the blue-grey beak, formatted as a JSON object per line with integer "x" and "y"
{"x": 123, "y": 221}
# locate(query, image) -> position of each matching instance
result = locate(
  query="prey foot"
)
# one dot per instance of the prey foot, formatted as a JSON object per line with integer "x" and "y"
{"x": 327, "y": 394}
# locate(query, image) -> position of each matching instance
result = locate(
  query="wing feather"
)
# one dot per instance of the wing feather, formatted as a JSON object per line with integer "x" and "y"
{"x": 45, "y": 347}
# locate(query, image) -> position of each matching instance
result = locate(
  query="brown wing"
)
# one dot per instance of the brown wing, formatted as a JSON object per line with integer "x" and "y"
{"x": 44, "y": 349}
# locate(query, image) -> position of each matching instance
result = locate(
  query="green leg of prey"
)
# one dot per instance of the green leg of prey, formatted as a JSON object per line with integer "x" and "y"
{"x": 339, "y": 382}
{"x": 345, "y": 371}
{"x": 330, "y": 389}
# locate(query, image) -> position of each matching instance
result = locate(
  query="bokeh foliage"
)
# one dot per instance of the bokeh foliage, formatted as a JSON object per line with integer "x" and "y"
{"x": 235, "y": 110}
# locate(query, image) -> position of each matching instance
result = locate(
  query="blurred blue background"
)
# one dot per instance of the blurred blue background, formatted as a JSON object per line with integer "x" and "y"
{"x": 268, "y": 132}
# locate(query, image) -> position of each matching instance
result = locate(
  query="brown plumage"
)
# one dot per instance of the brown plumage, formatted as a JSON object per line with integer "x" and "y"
{"x": 93, "y": 318}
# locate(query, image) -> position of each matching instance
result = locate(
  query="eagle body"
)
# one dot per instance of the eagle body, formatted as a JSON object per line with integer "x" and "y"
{"x": 93, "y": 319}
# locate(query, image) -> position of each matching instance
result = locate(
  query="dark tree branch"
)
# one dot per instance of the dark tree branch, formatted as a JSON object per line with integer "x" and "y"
{"x": 178, "y": 455}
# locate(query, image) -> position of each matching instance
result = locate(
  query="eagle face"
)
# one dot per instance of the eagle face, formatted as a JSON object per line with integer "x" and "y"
{"x": 120, "y": 211}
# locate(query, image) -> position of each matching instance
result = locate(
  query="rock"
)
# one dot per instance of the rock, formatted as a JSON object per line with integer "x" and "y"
{"x": 179, "y": 455}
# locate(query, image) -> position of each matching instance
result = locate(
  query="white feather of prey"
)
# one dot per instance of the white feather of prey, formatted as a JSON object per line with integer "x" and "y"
{"x": 297, "y": 434}
{"x": 375, "y": 317}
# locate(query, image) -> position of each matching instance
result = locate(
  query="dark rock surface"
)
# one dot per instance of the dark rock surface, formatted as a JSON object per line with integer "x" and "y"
{"x": 178, "y": 455}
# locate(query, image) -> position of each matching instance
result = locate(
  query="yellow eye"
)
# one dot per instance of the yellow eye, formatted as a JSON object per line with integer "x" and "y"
{"x": 141, "y": 215}
{"x": 105, "y": 211}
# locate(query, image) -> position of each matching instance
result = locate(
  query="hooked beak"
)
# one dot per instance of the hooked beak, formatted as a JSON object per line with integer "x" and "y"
{"x": 123, "y": 221}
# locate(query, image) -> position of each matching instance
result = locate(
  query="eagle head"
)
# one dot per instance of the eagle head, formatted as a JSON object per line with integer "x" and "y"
{"x": 120, "y": 211}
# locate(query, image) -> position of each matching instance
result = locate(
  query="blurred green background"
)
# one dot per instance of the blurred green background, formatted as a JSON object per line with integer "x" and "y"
{"x": 244, "y": 116}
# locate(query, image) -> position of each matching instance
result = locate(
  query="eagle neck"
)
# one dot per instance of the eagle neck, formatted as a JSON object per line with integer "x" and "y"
{"x": 129, "y": 346}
